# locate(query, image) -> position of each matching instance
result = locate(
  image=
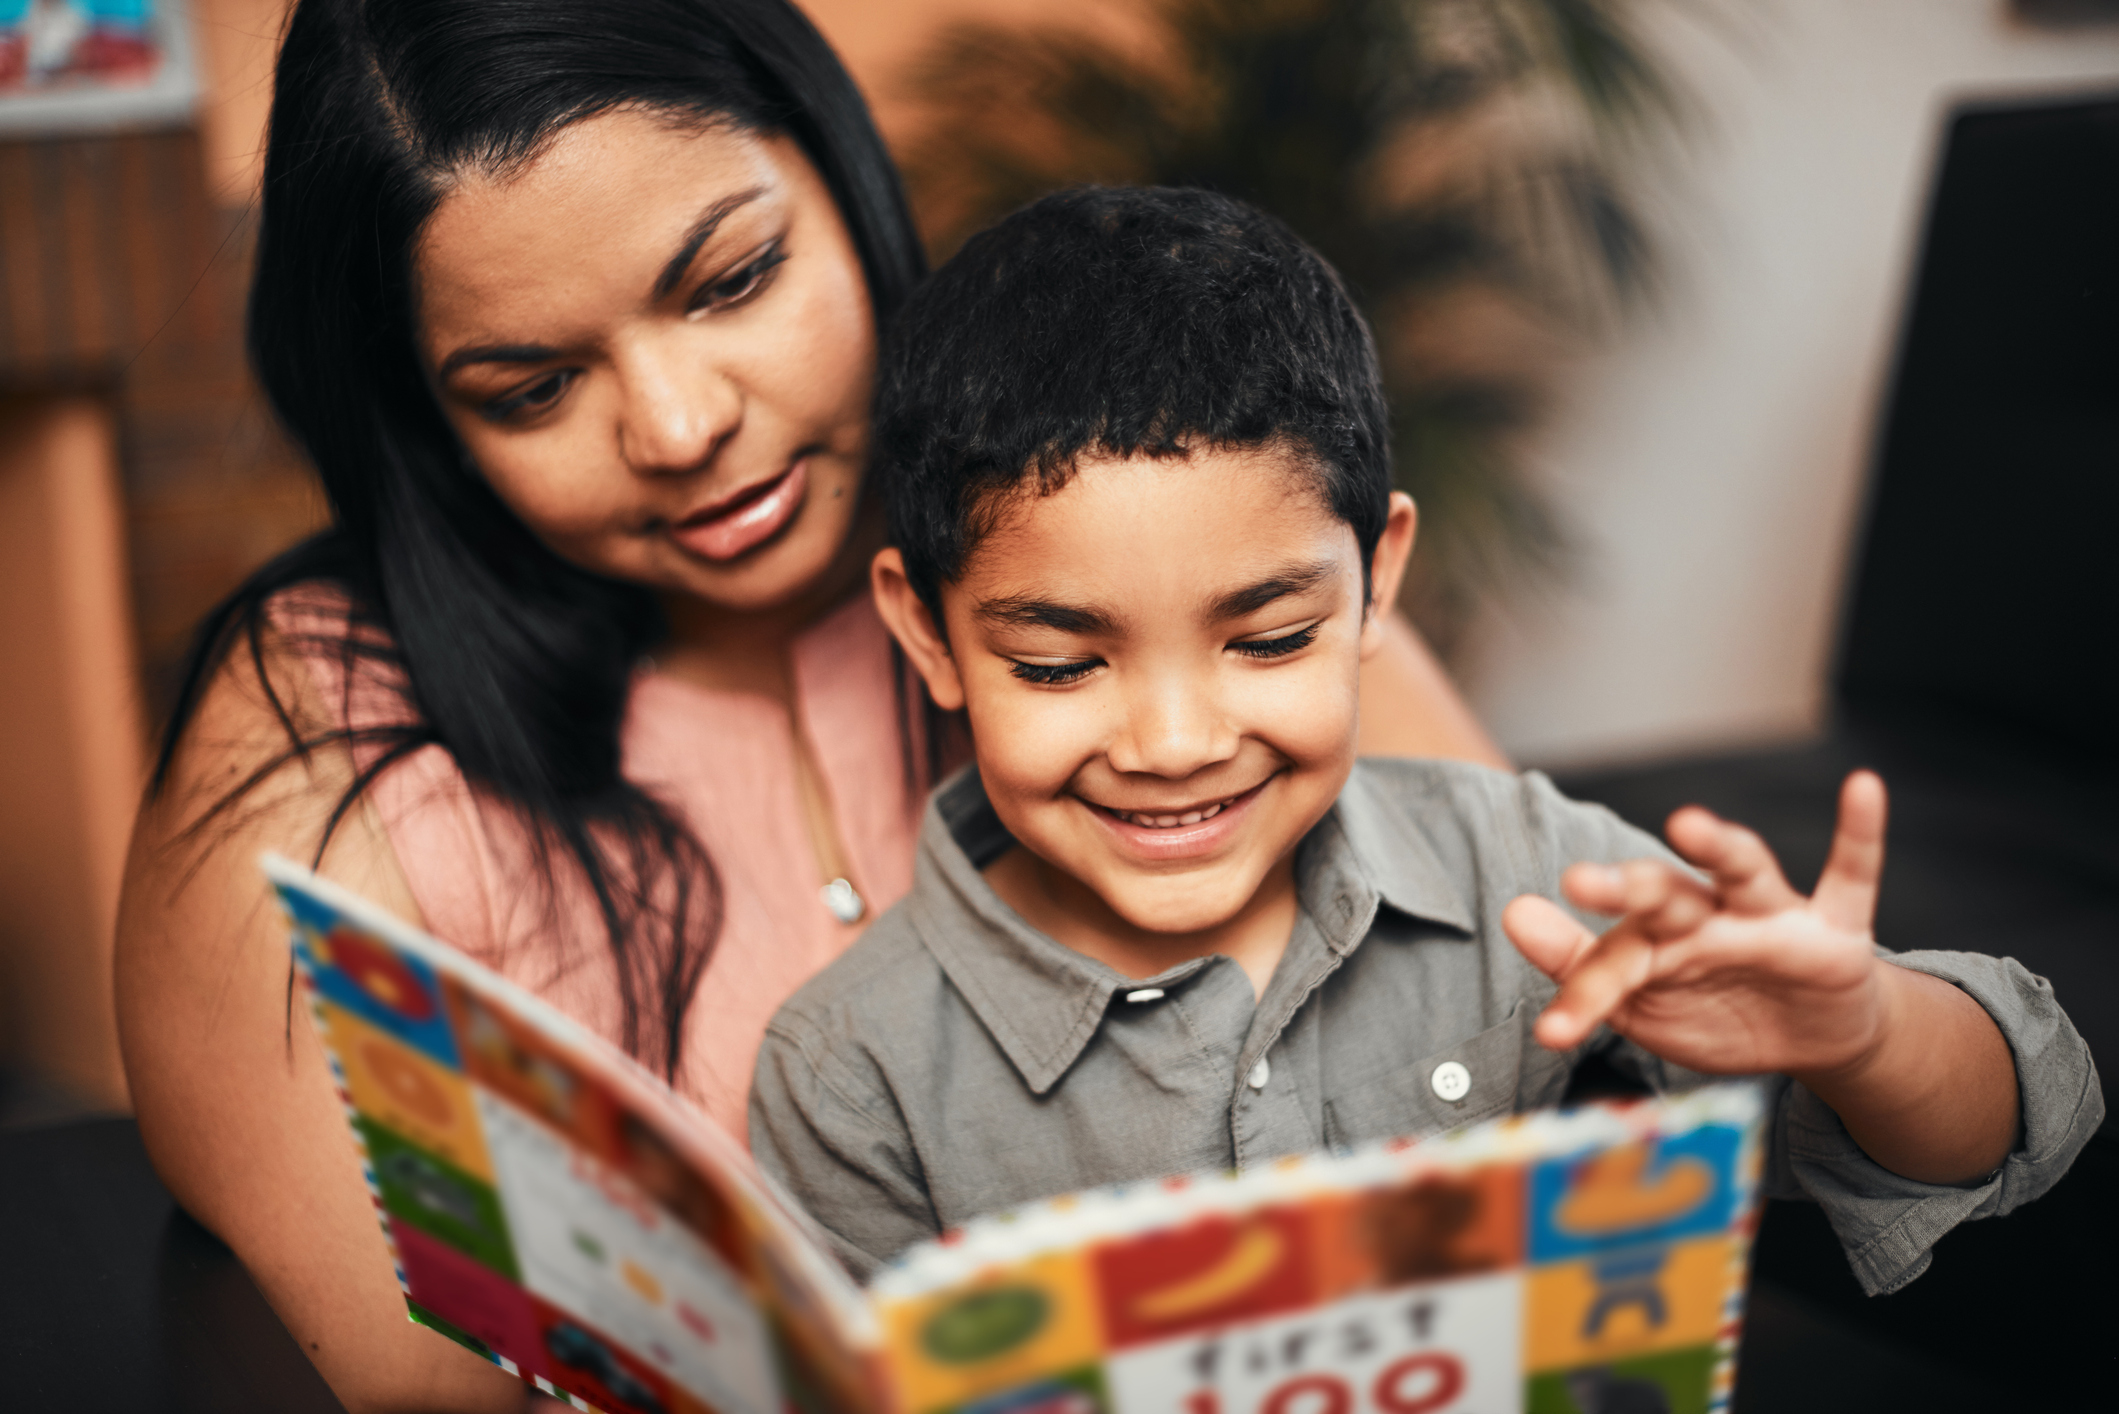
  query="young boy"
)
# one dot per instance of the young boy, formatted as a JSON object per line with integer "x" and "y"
{"x": 1133, "y": 447}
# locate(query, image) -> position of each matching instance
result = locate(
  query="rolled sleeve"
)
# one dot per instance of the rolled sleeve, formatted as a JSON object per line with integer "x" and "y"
{"x": 814, "y": 1129}
{"x": 1889, "y": 1224}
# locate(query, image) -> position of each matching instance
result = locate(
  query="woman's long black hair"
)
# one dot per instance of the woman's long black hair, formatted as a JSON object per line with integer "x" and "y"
{"x": 513, "y": 660}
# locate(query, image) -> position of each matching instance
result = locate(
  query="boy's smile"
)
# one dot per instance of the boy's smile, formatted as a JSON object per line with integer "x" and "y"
{"x": 1161, "y": 663}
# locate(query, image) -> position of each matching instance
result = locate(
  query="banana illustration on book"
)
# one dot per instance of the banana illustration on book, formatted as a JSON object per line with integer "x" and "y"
{"x": 1256, "y": 1251}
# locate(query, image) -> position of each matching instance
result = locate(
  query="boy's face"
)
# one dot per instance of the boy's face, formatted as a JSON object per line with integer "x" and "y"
{"x": 1161, "y": 664}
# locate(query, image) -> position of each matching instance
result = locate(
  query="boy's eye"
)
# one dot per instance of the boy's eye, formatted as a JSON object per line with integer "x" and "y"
{"x": 738, "y": 285}
{"x": 534, "y": 398}
{"x": 1052, "y": 674}
{"x": 1279, "y": 647}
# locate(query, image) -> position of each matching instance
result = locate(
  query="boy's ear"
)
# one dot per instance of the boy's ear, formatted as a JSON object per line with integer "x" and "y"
{"x": 1387, "y": 569}
{"x": 905, "y": 615}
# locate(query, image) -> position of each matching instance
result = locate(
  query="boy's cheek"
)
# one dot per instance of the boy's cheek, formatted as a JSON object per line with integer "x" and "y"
{"x": 1310, "y": 717}
{"x": 1026, "y": 743}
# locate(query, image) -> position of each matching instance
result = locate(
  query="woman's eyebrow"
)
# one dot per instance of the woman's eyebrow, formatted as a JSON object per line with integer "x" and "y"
{"x": 701, "y": 232}
{"x": 1294, "y": 579}
{"x": 495, "y": 353}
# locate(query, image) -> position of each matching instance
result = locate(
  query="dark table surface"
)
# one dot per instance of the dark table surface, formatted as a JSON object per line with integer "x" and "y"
{"x": 112, "y": 1300}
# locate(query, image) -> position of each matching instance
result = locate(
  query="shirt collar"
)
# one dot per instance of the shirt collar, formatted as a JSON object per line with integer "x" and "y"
{"x": 1368, "y": 844}
{"x": 1042, "y": 1002}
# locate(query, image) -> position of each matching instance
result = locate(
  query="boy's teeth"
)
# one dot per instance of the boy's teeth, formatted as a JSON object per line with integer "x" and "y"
{"x": 1166, "y": 822}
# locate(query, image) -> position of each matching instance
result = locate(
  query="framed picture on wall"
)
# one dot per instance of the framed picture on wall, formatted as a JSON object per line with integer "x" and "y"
{"x": 79, "y": 66}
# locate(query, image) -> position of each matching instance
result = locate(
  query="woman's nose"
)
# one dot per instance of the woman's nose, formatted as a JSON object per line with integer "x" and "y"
{"x": 1173, "y": 727}
{"x": 674, "y": 414}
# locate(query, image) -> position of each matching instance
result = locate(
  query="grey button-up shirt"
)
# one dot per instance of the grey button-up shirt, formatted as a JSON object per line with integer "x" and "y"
{"x": 956, "y": 1061}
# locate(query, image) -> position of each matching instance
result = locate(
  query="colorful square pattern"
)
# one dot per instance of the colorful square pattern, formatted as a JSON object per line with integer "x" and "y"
{"x": 1564, "y": 1263}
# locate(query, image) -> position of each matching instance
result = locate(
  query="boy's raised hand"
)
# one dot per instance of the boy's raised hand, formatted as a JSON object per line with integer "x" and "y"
{"x": 1742, "y": 975}
{"x": 1737, "y": 975}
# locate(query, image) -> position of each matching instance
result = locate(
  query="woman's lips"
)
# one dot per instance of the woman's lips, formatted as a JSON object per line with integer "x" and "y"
{"x": 1187, "y": 837}
{"x": 746, "y": 520}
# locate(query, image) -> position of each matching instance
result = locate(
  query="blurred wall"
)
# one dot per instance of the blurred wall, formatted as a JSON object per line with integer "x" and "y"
{"x": 138, "y": 480}
{"x": 70, "y": 723}
{"x": 1712, "y": 461}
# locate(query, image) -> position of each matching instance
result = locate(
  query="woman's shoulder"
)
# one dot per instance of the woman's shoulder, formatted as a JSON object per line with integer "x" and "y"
{"x": 327, "y": 646}
{"x": 305, "y": 727}
{"x": 264, "y": 729}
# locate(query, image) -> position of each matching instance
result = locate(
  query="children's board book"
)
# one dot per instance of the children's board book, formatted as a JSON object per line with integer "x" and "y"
{"x": 557, "y": 1209}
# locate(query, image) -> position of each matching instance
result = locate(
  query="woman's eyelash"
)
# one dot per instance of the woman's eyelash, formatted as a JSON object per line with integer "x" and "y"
{"x": 1279, "y": 647}
{"x": 550, "y": 386}
{"x": 1051, "y": 674}
{"x": 740, "y": 285}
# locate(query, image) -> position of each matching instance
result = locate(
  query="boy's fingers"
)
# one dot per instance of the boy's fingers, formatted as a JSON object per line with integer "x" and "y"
{"x": 1846, "y": 891}
{"x": 1629, "y": 887}
{"x": 1546, "y": 935}
{"x": 1622, "y": 962}
{"x": 1597, "y": 888}
{"x": 1659, "y": 899}
{"x": 1687, "y": 903}
{"x": 1745, "y": 872}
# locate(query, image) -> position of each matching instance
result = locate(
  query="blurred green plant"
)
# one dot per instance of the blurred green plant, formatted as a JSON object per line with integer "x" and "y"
{"x": 1463, "y": 163}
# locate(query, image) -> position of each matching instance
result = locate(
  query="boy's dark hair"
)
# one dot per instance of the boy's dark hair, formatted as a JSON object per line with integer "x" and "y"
{"x": 1120, "y": 322}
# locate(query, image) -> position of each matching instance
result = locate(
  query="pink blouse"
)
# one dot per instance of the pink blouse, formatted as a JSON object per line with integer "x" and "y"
{"x": 725, "y": 763}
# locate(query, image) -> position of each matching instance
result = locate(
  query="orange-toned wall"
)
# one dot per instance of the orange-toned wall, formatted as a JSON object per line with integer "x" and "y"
{"x": 70, "y": 739}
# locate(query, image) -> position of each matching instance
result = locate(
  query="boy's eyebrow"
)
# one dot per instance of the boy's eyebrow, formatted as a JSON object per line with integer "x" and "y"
{"x": 1046, "y": 613}
{"x": 1294, "y": 579}
{"x": 701, "y": 232}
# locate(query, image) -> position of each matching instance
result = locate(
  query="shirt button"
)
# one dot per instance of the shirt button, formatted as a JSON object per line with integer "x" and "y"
{"x": 1145, "y": 994}
{"x": 1261, "y": 1073}
{"x": 1451, "y": 1081}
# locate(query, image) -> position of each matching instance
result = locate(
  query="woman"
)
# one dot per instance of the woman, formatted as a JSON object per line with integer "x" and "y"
{"x": 574, "y": 307}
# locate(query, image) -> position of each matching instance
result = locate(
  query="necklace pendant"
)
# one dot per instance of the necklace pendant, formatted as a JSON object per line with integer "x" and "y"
{"x": 843, "y": 900}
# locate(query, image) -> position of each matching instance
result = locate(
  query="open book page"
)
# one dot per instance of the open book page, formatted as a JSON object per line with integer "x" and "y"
{"x": 555, "y": 1207}
{"x": 1580, "y": 1262}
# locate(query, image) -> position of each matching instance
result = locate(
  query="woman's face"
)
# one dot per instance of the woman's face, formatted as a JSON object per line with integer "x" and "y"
{"x": 656, "y": 342}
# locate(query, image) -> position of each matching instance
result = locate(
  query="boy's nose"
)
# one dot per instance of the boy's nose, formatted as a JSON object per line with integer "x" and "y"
{"x": 1173, "y": 728}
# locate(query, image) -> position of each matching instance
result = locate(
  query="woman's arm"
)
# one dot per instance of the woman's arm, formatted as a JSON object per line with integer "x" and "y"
{"x": 1409, "y": 707}
{"x": 235, "y": 1102}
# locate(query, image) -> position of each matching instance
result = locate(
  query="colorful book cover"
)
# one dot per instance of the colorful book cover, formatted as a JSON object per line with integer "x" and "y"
{"x": 558, "y": 1210}
{"x": 555, "y": 1207}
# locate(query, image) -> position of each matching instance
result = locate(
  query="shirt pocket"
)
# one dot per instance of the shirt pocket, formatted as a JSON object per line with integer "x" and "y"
{"x": 1474, "y": 1079}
